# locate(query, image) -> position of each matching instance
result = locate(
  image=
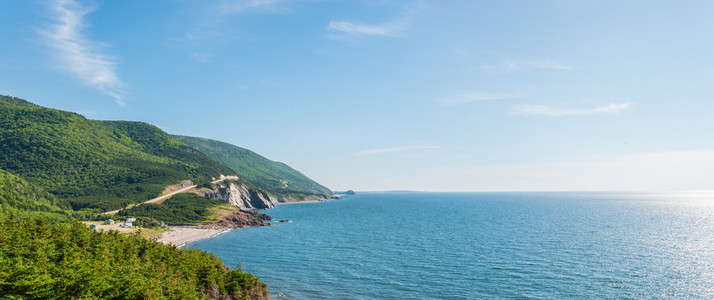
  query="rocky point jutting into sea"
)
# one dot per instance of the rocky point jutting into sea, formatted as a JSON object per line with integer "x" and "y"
{"x": 244, "y": 196}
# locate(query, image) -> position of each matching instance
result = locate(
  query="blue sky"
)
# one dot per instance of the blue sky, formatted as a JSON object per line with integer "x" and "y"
{"x": 382, "y": 95}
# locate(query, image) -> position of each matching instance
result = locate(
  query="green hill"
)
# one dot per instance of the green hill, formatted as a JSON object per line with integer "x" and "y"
{"x": 275, "y": 177}
{"x": 22, "y": 199}
{"x": 95, "y": 164}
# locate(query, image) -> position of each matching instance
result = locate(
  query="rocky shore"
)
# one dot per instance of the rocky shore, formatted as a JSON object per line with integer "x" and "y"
{"x": 239, "y": 219}
{"x": 182, "y": 235}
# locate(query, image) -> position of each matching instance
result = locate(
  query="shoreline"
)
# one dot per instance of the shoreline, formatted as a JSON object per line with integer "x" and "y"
{"x": 303, "y": 202}
{"x": 180, "y": 236}
{"x": 309, "y": 201}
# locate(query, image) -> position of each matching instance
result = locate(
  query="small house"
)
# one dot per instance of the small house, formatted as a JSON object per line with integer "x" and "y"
{"x": 130, "y": 220}
{"x": 128, "y": 224}
{"x": 109, "y": 222}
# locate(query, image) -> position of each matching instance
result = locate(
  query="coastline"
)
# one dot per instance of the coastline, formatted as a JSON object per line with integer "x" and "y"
{"x": 303, "y": 202}
{"x": 180, "y": 236}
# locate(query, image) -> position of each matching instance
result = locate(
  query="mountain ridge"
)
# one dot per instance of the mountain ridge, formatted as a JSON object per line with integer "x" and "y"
{"x": 274, "y": 177}
{"x": 100, "y": 165}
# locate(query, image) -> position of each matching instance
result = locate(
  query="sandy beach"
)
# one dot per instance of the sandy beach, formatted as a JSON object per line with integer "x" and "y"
{"x": 179, "y": 235}
{"x": 182, "y": 235}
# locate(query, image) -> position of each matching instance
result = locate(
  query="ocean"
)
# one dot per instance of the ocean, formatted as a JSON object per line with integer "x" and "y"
{"x": 414, "y": 245}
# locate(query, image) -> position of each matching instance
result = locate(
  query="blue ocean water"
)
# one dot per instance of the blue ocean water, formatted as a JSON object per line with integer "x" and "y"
{"x": 405, "y": 245}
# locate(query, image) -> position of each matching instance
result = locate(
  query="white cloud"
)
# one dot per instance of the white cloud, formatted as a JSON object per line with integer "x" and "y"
{"x": 231, "y": 7}
{"x": 470, "y": 97}
{"x": 201, "y": 57}
{"x": 79, "y": 55}
{"x": 530, "y": 110}
{"x": 356, "y": 29}
{"x": 397, "y": 149}
{"x": 345, "y": 29}
{"x": 542, "y": 64}
{"x": 211, "y": 27}
{"x": 530, "y": 64}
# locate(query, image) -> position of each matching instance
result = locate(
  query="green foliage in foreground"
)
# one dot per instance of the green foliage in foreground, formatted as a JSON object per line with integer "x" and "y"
{"x": 19, "y": 197}
{"x": 274, "y": 177}
{"x": 180, "y": 209}
{"x": 69, "y": 261}
{"x": 100, "y": 165}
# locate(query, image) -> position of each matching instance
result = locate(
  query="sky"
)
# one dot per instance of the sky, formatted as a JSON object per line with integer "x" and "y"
{"x": 540, "y": 95}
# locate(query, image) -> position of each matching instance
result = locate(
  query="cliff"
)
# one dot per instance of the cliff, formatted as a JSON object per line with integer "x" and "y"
{"x": 276, "y": 178}
{"x": 238, "y": 193}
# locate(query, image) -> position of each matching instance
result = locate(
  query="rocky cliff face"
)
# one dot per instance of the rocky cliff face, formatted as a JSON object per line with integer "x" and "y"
{"x": 239, "y": 194}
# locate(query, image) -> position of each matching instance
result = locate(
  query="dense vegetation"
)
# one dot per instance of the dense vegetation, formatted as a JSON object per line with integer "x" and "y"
{"x": 180, "y": 209}
{"x": 21, "y": 198}
{"x": 69, "y": 261}
{"x": 95, "y": 164}
{"x": 274, "y": 177}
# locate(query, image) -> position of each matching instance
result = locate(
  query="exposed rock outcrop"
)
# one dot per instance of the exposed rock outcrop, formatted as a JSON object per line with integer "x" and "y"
{"x": 240, "y": 219}
{"x": 240, "y": 194}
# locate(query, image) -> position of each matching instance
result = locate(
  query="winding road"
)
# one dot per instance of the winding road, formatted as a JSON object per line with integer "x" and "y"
{"x": 162, "y": 197}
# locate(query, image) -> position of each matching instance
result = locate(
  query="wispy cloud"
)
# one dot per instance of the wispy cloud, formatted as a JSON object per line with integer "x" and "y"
{"x": 212, "y": 24}
{"x": 345, "y": 29}
{"x": 357, "y": 29}
{"x": 201, "y": 57}
{"x": 408, "y": 148}
{"x": 515, "y": 64}
{"x": 469, "y": 97}
{"x": 78, "y": 54}
{"x": 231, "y": 7}
{"x": 541, "y": 64}
{"x": 531, "y": 110}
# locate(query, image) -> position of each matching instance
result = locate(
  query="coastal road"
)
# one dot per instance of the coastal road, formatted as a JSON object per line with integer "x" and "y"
{"x": 162, "y": 197}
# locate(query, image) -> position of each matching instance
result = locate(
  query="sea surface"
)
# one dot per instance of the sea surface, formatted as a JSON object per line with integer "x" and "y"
{"x": 409, "y": 245}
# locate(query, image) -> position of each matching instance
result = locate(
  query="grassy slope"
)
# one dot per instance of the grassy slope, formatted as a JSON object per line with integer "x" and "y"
{"x": 22, "y": 199}
{"x": 254, "y": 168}
{"x": 94, "y": 164}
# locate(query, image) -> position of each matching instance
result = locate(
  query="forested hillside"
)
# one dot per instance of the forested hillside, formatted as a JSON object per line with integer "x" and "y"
{"x": 95, "y": 164}
{"x": 22, "y": 199}
{"x": 68, "y": 261}
{"x": 274, "y": 177}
